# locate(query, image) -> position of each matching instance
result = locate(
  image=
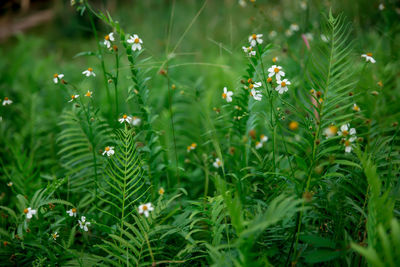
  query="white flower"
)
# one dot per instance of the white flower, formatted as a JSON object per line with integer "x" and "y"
{"x": 135, "y": 121}
{"x": 242, "y": 3}
{"x": 57, "y": 77}
{"x": 368, "y": 57}
{"x": 324, "y": 38}
{"x": 136, "y": 42}
{"x": 381, "y": 6}
{"x": 73, "y": 97}
{"x": 331, "y": 131}
{"x": 227, "y": 95}
{"x": 256, "y": 94}
{"x": 125, "y": 118}
{"x": 72, "y": 212}
{"x": 288, "y": 32}
{"x": 259, "y": 145}
{"x": 309, "y": 36}
{"x": 54, "y": 235}
{"x": 272, "y": 34}
{"x": 303, "y": 5}
{"x": 294, "y": 27}
{"x": 356, "y": 108}
{"x": 344, "y": 130}
{"x": 277, "y": 71}
{"x": 7, "y": 101}
{"x": 191, "y": 147}
{"x": 217, "y": 163}
{"x": 29, "y": 212}
{"x": 282, "y": 86}
{"x": 89, "y": 94}
{"x": 109, "y": 150}
{"x": 9, "y": 184}
{"x": 145, "y": 209}
{"x": 108, "y": 39}
{"x": 348, "y": 146}
{"x": 83, "y": 224}
{"x": 275, "y": 59}
{"x": 263, "y": 138}
{"x": 89, "y": 72}
{"x": 255, "y": 39}
{"x": 249, "y": 51}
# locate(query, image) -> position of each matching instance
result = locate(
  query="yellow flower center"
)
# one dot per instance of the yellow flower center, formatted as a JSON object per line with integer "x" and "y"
{"x": 223, "y": 95}
{"x": 262, "y": 136}
{"x": 145, "y": 207}
{"x": 161, "y": 191}
{"x": 90, "y": 69}
{"x": 251, "y": 86}
{"x": 369, "y": 54}
{"x": 345, "y": 133}
{"x": 73, "y": 210}
{"x": 347, "y": 143}
{"x": 6, "y": 98}
{"x": 107, "y": 148}
{"x": 54, "y": 236}
{"x": 276, "y": 70}
{"x": 257, "y": 143}
{"x": 124, "y": 116}
{"x": 356, "y": 108}
{"x": 136, "y": 41}
{"x": 72, "y": 96}
{"x": 283, "y": 84}
{"x": 26, "y": 211}
{"x": 193, "y": 145}
{"x": 274, "y": 59}
{"x": 249, "y": 80}
{"x": 107, "y": 37}
{"x": 55, "y": 75}
{"x": 333, "y": 129}
{"x": 294, "y": 125}
{"x": 89, "y": 94}
{"x": 269, "y": 79}
{"x": 219, "y": 163}
{"x": 254, "y": 36}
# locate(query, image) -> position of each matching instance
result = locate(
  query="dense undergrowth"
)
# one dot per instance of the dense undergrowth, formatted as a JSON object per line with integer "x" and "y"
{"x": 279, "y": 147}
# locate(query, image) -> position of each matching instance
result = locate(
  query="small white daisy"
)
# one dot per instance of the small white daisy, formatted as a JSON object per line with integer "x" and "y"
{"x": 57, "y": 77}
{"x": 89, "y": 72}
{"x": 9, "y": 184}
{"x": 83, "y": 224}
{"x": 255, "y": 39}
{"x": 29, "y": 212}
{"x": 256, "y": 94}
{"x": 330, "y": 131}
{"x": 136, "y": 42}
{"x": 7, "y": 101}
{"x": 249, "y": 51}
{"x": 344, "y": 130}
{"x": 109, "y": 150}
{"x": 368, "y": 57}
{"x": 282, "y": 86}
{"x": 145, "y": 209}
{"x": 356, "y": 108}
{"x": 72, "y": 212}
{"x": 277, "y": 71}
{"x": 108, "y": 39}
{"x": 54, "y": 235}
{"x": 125, "y": 118}
{"x": 136, "y": 121}
{"x": 381, "y": 6}
{"x": 259, "y": 145}
{"x": 217, "y": 163}
{"x": 272, "y": 34}
{"x": 227, "y": 95}
{"x": 89, "y": 93}
{"x": 73, "y": 97}
{"x": 263, "y": 138}
{"x": 294, "y": 27}
{"x": 191, "y": 147}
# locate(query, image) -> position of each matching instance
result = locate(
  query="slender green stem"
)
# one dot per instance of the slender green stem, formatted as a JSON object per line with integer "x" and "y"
{"x": 103, "y": 68}
{"x": 116, "y": 83}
